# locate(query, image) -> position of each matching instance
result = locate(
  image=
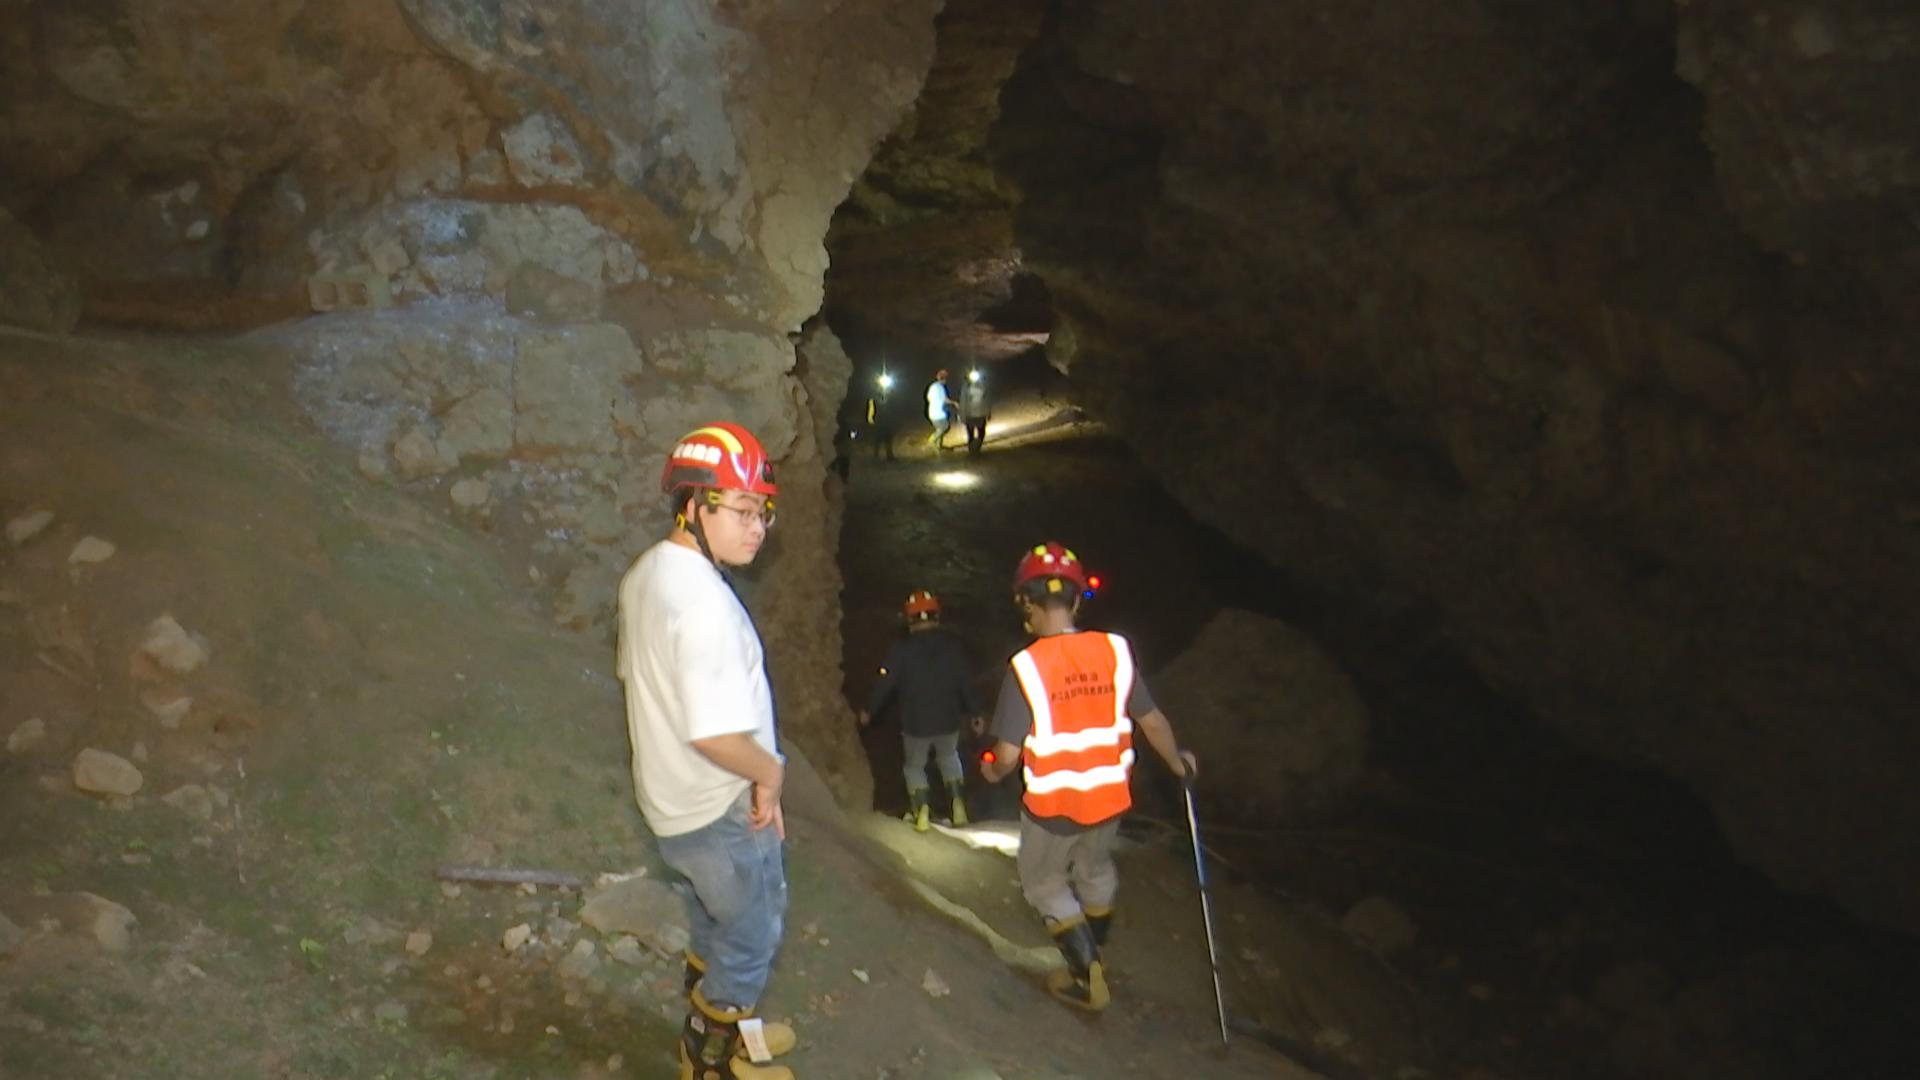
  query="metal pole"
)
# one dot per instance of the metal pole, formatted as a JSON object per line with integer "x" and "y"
{"x": 1206, "y": 908}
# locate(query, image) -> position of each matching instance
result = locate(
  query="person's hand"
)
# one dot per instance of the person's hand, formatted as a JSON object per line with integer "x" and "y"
{"x": 1192, "y": 764}
{"x": 865, "y": 718}
{"x": 766, "y": 804}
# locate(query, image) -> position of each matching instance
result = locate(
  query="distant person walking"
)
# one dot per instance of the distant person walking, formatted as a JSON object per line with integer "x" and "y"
{"x": 927, "y": 674}
{"x": 975, "y": 410}
{"x": 707, "y": 768}
{"x": 880, "y": 416}
{"x": 939, "y": 411}
{"x": 1067, "y": 712}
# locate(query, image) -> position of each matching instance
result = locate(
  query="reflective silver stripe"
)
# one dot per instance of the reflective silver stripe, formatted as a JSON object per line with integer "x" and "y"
{"x": 1085, "y": 780}
{"x": 1122, "y": 679}
{"x": 1035, "y": 692}
{"x": 1068, "y": 741}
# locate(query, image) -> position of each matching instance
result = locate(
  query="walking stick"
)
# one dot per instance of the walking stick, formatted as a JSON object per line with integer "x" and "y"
{"x": 1206, "y": 907}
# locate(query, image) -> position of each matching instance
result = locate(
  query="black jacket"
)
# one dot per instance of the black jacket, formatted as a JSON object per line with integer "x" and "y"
{"x": 926, "y": 674}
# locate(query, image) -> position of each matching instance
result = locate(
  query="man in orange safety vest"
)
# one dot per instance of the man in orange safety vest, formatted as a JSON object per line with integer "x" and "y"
{"x": 1067, "y": 710}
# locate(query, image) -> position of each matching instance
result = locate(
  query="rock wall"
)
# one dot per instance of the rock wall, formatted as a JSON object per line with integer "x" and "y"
{"x": 1583, "y": 330}
{"x": 1278, "y": 725}
{"x": 924, "y": 258}
{"x": 516, "y": 248}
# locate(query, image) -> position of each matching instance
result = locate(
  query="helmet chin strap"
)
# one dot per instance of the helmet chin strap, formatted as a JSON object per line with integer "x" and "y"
{"x": 694, "y": 526}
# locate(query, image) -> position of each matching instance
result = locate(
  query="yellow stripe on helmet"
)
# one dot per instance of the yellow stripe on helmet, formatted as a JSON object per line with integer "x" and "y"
{"x": 726, "y": 438}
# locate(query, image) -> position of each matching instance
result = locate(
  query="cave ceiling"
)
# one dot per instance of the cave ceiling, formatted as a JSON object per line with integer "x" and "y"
{"x": 924, "y": 259}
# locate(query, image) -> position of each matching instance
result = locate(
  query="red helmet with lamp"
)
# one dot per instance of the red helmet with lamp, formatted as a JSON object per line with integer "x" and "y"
{"x": 1052, "y": 563}
{"x": 723, "y": 457}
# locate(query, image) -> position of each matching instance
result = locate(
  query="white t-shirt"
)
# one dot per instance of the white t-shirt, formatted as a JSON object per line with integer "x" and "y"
{"x": 936, "y": 401}
{"x": 693, "y": 669}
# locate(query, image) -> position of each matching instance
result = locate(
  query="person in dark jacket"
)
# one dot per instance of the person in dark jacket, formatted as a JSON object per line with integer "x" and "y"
{"x": 880, "y": 420}
{"x": 926, "y": 673}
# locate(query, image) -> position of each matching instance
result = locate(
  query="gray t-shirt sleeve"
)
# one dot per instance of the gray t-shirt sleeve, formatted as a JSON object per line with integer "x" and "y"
{"x": 1012, "y": 718}
{"x": 1139, "y": 702}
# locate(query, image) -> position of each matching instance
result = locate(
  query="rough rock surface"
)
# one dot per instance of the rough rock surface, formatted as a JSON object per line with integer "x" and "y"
{"x": 235, "y": 164}
{"x": 538, "y": 242}
{"x": 1582, "y": 333}
{"x": 924, "y": 256}
{"x": 34, "y": 293}
{"x": 1275, "y": 722}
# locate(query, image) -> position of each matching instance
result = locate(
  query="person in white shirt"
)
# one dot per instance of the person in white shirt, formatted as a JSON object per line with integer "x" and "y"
{"x": 939, "y": 411}
{"x": 707, "y": 768}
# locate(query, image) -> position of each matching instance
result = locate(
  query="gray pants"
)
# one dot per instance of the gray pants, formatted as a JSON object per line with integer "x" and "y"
{"x": 946, "y": 751}
{"x": 1061, "y": 874}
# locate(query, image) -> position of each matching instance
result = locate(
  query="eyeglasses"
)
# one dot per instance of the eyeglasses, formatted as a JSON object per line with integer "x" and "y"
{"x": 749, "y": 514}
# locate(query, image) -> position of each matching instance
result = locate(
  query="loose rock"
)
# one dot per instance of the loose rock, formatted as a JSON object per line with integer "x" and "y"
{"x": 419, "y": 942}
{"x": 645, "y": 908}
{"x": 169, "y": 707}
{"x": 109, "y": 924}
{"x": 471, "y": 494}
{"x": 91, "y": 549}
{"x": 11, "y": 936}
{"x": 27, "y": 526}
{"x": 934, "y": 985}
{"x": 191, "y": 800}
{"x": 27, "y": 736}
{"x": 580, "y": 961}
{"x": 515, "y": 937}
{"x": 102, "y": 773}
{"x": 169, "y": 645}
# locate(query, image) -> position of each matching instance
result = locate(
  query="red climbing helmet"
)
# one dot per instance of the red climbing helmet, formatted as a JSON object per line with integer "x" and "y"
{"x": 722, "y": 456}
{"x": 922, "y": 605}
{"x": 1053, "y": 563}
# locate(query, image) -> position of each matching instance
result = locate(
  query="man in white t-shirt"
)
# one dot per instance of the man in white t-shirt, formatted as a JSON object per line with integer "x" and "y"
{"x": 707, "y": 769}
{"x": 939, "y": 411}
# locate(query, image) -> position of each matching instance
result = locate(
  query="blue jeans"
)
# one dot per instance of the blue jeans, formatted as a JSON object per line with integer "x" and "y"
{"x": 736, "y": 890}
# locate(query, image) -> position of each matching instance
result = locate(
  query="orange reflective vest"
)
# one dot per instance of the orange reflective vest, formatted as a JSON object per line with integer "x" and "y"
{"x": 1079, "y": 752}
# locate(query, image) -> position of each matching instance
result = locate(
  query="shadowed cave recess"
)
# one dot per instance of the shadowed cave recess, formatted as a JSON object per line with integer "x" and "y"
{"x": 1496, "y": 420}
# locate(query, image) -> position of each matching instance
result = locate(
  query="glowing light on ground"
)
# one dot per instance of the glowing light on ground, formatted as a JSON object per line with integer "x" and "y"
{"x": 956, "y": 480}
{"x": 1000, "y": 836}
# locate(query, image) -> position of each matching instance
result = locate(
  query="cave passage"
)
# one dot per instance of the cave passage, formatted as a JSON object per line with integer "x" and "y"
{"x": 1527, "y": 865}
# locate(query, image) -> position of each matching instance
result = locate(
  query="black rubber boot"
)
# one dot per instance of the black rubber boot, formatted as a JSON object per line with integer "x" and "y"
{"x": 779, "y": 1036}
{"x": 710, "y": 1046}
{"x": 919, "y": 810}
{"x": 1083, "y": 984}
{"x": 1101, "y": 920}
{"x": 957, "y": 790}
